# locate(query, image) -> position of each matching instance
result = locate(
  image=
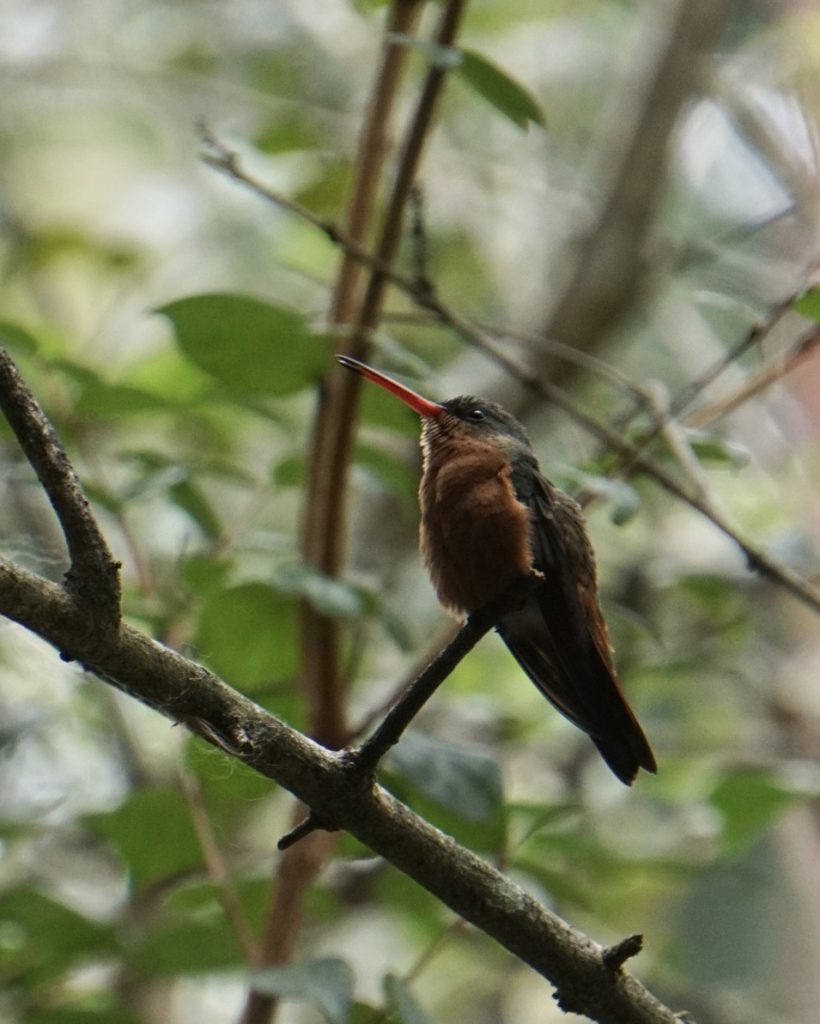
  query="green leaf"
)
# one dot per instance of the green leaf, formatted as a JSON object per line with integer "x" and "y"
{"x": 463, "y": 781}
{"x": 104, "y": 399}
{"x": 17, "y": 338}
{"x": 247, "y": 634}
{"x": 251, "y": 347}
{"x": 494, "y": 85}
{"x": 191, "y": 499}
{"x": 40, "y": 938}
{"x": 808, "y": 304}
{"x": 189, "y": 946}
{"x": 402, "y": 1003}
{"x": 329, "y": 596}
{"x": 204, "y": 574}
{"x": 391, "y": 472}
{"x": 66, "y": 1015}
{"x": 289, "y": 472}
{"x": 152, "y": 833}
{"x": 624, "y": 499}
{"x": 230, "y": 787}
{"x": 326, "y": 983}
{"x": 748, "y": 802}
{"x": 717, "y": 450}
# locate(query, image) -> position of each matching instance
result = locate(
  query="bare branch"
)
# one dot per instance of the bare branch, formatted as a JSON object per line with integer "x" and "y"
{"x": 215, "y": 864}
{"x": 366, "y": 758}
{"x": 93, "y": 576}
{"x": 805, "y": 346}
{"x": 631, "y": 454}
{"x": 188, "y": 693}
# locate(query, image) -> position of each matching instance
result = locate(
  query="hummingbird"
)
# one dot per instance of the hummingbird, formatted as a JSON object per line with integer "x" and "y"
{"x": 489, "y": 517}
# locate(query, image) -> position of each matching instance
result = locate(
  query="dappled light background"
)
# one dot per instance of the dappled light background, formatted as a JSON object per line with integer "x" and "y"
{"x": 192, "y": 446}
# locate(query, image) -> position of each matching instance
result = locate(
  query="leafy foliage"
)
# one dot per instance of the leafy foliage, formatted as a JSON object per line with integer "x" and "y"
{"x": 190, "y": 431}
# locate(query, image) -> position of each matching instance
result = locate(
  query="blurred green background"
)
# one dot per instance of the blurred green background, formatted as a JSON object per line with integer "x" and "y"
{"x": 171, "y": 324}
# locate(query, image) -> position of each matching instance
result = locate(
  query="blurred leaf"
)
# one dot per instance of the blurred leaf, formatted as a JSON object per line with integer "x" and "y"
{"x": 202, "y": 900}
{"x": 250, "y": 346}
{"x": 500, "y": 90}
{"x": 718, "y": 450}
{"x": 153, "y": 835}
{"x": 560, "y": 884}
{"x": 104, "y": 399}
{"x": 748, "y": 802}
{"x": 808, "y": 304}
{"x": 289, "y": 472}
{"x": 114, "y": 1014}
{"x": 463, "y": 781}
{"x": 204, "y": 574}
{"x": 400, "y": 895}
{"x": 190, "y": 498}
{"x": 45, "y": 246}
{"x": 326, "y": 983}
{"x": 64, "y": 1015}
{"x": 285, "y": 133}
{"x": 402, "y": 1003}
{"x": 230, "y": 787}
{"x": 624, "y": 499}
{"x": 392, "y": 472}
{"x": 329, "y": 596}
{"x": 41, "y": 938}
{"x": 150, "y": 460}
{"x": 365, "y": 1013}
{"x": 19, "y": 340}
{"x": 247, "y": 633}
{"x": 190, "y": 946}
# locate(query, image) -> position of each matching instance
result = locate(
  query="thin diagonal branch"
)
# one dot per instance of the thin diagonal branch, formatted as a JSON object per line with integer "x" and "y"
{"x": 406, "y": 708}
{"x": 215, "y": 864}
{"x": 632, "y": 455}
{"x": 365, "y": 759}
{"x": 188, "y": 693}
{"x": 805, "y": 346}
{"x": 93, "y": 576}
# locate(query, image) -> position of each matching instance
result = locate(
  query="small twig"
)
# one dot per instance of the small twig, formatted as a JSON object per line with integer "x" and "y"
{"x": 614, "y": 957}
{"x": 753, "y": 337}
{"x": 442, "y": 637}
{"x": 187, "y": 692}
{"x": 311, "y": 823}
{"x": 657, "y": 401}
{"x": 215, "y": 864}
{"x": 368, "y": 755}
{"x": 93, "y": 576}
{"x": 364, "y": 760}
{"x": 418, "y": 238}
{"x": 632, "y": 456}
{"x": 802, "y": 349}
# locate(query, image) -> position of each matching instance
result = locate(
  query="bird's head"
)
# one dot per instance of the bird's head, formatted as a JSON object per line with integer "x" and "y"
{"x": 465, "y": 418}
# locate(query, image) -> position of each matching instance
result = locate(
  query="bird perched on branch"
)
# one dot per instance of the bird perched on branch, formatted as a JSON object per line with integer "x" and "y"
{"x": 489, "y": 517}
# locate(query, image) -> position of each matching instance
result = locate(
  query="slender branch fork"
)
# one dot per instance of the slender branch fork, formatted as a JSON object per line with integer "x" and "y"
{"x": 589, "y": 979}
{"x": 631, "y": 455}
{"x": 365, "y": 759}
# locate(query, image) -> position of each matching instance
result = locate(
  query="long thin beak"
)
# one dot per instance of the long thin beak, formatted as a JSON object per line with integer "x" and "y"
{"x": 423, "y": 406}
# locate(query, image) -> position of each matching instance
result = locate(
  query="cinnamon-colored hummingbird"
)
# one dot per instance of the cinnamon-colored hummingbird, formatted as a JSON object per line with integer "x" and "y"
{"x": 489, "y": 517}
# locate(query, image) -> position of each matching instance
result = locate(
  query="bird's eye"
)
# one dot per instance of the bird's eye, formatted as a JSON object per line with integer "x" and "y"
{"x": 476, "y": 415}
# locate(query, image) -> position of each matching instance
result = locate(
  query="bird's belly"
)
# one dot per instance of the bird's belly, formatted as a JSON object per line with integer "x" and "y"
{"x": 475, "y": 534}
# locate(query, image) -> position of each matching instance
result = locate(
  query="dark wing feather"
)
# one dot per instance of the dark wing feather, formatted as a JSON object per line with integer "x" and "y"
{"x": 560, "y": 639}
